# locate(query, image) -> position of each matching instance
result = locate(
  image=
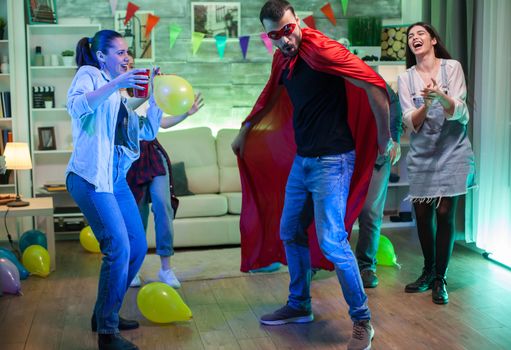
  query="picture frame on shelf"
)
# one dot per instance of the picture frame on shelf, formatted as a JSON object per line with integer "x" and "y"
{"x": 393, "y": 43}
{"x": 47, "y": 140}
{"x": 41, "y": 11}
{"x": 216, "y": 19}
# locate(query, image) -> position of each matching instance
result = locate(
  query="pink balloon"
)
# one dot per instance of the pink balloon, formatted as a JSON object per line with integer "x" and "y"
{"x": 9, "y": 277}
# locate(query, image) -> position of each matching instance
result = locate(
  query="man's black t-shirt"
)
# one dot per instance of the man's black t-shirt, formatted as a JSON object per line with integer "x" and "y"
{"x": 320, "y": 111}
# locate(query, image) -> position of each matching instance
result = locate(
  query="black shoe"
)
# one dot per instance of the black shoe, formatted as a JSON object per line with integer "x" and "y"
{"x": 114, "y": 342}
{"x": 369, "y": 278}
{"x": 439, "y": 294}
{"x": 124, "y": 325}
{"x": 423, "y": 283}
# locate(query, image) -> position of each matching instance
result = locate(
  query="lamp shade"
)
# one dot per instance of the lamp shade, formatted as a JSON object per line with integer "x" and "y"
{"x": 17, "y": 156}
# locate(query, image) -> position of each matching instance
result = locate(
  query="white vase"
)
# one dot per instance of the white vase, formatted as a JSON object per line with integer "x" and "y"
{"x": 68, "y": 61}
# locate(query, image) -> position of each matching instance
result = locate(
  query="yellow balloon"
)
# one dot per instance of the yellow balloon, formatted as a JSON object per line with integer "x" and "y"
{"x": 89, "y": 241}
{"x": 160, "y": 303}
{"x": 173, "y": 94}
{"x": 36, "y": 259}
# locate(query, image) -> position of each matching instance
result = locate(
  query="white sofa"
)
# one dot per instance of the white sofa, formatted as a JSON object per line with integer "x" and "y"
{"x": 211, "y": 215}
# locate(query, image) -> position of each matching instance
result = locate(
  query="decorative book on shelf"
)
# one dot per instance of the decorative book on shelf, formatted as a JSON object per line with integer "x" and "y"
{"x": 42, "y": 94}
{"x": 6, "y": 198}
{"x": 5, "y": 104}
{"x": 56, "y": 187}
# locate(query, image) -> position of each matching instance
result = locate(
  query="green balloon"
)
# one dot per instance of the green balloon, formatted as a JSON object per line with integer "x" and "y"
{"x": 386, "y": 255}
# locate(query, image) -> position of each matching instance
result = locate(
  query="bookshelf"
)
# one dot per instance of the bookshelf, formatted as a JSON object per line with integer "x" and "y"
{"x": 49, "y": 165}
{"x": 7, "y": 90}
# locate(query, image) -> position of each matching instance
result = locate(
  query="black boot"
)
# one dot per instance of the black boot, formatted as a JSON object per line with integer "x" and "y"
{"x": 423, "y": 283}
{"x": 439, "y": 294}
{"x": 114, "y": 342}
{"x": 124, "y": 324}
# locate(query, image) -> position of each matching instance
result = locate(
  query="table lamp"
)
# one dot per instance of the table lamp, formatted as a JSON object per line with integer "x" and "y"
{"x": 17, "y": 157}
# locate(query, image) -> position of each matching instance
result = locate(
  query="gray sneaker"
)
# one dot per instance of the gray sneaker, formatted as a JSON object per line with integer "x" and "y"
{"x": 287, "y": 314}
{"x": 369, "y": 278}
{"x": 362, "y": 335}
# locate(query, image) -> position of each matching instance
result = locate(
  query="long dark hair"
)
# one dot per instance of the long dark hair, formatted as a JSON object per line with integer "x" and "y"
{"x": 440, "y": 50}
{"x": 87, "y": 47}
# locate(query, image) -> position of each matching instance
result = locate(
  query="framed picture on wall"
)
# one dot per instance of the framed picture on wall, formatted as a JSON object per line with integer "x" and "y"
{"x": 216, "y": 18}
{"x": 133, "y": 32}
{"x": 41, "y": 11}
{"x": 46, "y": 138}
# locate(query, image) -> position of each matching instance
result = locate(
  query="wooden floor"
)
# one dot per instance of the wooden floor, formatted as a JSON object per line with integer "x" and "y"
{"x": 54, "y": 313}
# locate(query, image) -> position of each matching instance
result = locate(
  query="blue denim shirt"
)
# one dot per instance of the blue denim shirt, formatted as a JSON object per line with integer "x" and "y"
{"x": 94, "y": 130}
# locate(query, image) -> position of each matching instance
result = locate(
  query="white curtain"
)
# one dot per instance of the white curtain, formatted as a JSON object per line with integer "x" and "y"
{"x": 490, "y": 223}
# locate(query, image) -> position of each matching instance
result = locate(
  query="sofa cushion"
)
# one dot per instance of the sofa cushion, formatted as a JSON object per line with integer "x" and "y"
{"x": 196, "y": 148}
{"x": 201, "y": 232}
{"x": 179, "y": 180}
{"x": 202, "y": 205}
{"x": 227, "y": 163}
{"x": 233, "y": 202}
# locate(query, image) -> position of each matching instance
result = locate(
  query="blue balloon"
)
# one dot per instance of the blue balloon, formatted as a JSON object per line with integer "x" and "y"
{"x": 7, "y": 254}
{"x": 32, "y": 237}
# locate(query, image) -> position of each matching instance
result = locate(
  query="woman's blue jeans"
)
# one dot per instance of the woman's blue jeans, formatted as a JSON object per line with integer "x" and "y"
{"x": 327, "y": 180}
{"x": 159, "y": 191}
{"x": 117, "y": 226}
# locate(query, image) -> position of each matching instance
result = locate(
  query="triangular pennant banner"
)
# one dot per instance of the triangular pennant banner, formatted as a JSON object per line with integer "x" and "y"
{"x": 130, "y": 11}
{"x": 310, "y": 22}
{"x": 221, "y": 41}
{"x": 344, "y": 7}
{"x": 152, "y": 20}
{"x": 267, "y": 43}
{"x": 196, "y": 41}
{"x": 174, "y": 31}
{"x": 329, "y": 13}
{"x": 244, "y": 45}
{"x": 113, "y": 6}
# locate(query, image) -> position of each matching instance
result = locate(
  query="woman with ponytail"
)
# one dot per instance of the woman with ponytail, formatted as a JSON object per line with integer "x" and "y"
{"x": 106, "y": 135}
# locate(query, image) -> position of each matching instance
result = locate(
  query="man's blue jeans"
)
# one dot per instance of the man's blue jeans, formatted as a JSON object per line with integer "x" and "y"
{"x": 121, "y": 237}
{"x": 371, "y": 216}
{"x": 159, "y": 191}
{"x": 327, "y": 180}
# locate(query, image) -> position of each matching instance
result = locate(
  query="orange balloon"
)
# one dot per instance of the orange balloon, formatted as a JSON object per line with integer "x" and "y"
{"x": 173, "y": 94}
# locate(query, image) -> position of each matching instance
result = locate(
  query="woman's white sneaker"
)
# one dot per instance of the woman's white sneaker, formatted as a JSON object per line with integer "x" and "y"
{"x": 168, "y": 277}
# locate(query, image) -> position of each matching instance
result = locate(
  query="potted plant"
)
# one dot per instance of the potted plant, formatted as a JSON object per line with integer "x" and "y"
{"x": 67, "y": 57}
{"x": 2, "y": 27}
{"x": 364, "y": 34}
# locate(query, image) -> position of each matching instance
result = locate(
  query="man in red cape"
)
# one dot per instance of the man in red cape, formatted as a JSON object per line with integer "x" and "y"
{"x": 266, "y": 148}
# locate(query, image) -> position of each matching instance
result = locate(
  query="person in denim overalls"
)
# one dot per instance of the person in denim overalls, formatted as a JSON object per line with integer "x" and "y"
{"x": 440, "y": 162}
{"x": 106, "y": 138}
{"x": 150, "y": 180}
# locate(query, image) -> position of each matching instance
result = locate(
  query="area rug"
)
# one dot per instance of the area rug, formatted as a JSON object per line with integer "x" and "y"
{"x": 199, "y": 265}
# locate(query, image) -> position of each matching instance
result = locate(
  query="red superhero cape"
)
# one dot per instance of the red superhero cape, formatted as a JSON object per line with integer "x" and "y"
{"x": 270, "y": 149}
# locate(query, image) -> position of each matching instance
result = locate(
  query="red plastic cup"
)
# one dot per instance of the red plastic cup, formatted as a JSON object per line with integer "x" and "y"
{"x": 142, "y": 93}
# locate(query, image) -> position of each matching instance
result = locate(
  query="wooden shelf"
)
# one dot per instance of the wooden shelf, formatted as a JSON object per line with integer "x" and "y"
{"x": 61, "y": 29}
{"x": 398, "y": 184}
{"x": 385, "y": 63}
{"x": 53, "y": 152}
